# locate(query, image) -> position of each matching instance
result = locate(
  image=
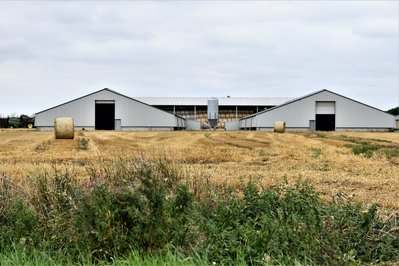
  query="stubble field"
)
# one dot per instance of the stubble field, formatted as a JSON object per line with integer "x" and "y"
{"x": 363, "y": 167}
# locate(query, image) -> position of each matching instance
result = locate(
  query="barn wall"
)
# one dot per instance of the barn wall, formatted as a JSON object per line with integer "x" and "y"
{"x": 350, "y": 115}
{"x": 192, "y": 125}
{"x": 232, "y": 125}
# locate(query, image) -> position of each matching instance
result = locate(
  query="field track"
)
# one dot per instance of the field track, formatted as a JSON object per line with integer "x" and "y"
{"x": 327, "y": 160}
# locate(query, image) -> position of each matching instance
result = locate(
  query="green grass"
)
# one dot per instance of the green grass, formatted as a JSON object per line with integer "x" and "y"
{"x": 391, "y": 153}
{"x": 381, "y": 140}
{"x": 141, "y": 212}
{"x": 18, "y": 257}
{"x": 321, "y": 135}
{"x": 365, "y": 149}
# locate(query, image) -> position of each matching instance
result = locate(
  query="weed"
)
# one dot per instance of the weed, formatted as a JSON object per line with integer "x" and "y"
{"x": 325, "y": 167}
{"x": 208, "y": 135}
{"x": 84, "y": 144}
{"x": 316, "y": 152}
{"x": 262, "y": 153}
{"x": 18, "y": 223}
{"x": 365, "y": 149}
{"x": 381, "y": 140}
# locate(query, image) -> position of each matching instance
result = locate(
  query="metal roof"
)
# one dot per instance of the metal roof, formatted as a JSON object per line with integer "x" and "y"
{"x": 105, "y": 89}
{"x": 223, "y": 101}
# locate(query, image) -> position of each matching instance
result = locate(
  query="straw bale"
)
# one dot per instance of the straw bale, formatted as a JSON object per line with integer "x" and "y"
{"x": 64, "y": 128}
{"x": 279, "y": 126}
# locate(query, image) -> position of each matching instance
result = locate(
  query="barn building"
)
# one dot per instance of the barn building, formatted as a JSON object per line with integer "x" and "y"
{"x": 109, "y": 110}
{"x": 323, "y": 110}
{"x": 397, "y": 122}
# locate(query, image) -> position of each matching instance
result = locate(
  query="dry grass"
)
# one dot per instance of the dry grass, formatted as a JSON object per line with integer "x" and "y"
{"x": 322, "y": 158}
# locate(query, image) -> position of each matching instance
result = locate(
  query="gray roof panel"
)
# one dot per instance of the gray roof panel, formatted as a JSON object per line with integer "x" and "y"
{"x": 223, "y": 101}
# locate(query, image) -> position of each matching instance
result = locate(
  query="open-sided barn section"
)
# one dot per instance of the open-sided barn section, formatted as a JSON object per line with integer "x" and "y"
{"x": 322, "y": 110}
{"x": 109, "y": 110}
{"x": 230, "y": 108}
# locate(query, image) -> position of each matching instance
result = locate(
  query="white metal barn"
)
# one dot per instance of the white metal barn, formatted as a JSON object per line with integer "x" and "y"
{"x": 323, "y": 110}
{"x": 109, "y": 110}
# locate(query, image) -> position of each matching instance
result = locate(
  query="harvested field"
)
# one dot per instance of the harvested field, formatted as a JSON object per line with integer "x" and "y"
{"x": 359, "y": 166}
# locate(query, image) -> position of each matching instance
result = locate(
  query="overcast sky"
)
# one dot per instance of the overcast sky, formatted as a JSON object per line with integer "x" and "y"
{"x": 53, "y": 52}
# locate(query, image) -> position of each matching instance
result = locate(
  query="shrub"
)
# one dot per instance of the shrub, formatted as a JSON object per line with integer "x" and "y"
{"x": 144, "y": 210}
{"x": 18, "y": 224}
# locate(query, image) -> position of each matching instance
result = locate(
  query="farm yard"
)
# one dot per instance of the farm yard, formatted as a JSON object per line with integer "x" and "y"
{"x": 362, "y": 166}
{"x": 199, "y": 198}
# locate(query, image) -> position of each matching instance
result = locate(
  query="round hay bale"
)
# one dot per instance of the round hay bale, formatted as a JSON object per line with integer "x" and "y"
{"x": 279, "y": 126}
{"x": 64, "y": 128}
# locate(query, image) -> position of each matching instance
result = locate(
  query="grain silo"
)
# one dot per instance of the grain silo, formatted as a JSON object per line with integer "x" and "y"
{"x": 213, "y": 112}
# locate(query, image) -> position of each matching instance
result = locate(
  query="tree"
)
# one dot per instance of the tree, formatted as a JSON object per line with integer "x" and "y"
{"x": 394, "y": 111}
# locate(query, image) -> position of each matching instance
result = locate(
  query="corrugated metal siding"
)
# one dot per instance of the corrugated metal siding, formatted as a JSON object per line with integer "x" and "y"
{"x": 249, "y": 122}
{"x": 131, "y": 113}
{"x": 232, "y": 125}
{"x": 349, "y": 114}
{"x": 192, "y": 125}
{"x": 326, "y": 108}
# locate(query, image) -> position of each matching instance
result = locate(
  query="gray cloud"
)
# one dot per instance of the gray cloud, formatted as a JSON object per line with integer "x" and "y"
{"x": 51, "y": 52}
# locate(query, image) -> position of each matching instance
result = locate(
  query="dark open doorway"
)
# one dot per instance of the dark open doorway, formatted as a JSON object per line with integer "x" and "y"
{"x": 105, "y": 116}
{"x": 325, "y": 122}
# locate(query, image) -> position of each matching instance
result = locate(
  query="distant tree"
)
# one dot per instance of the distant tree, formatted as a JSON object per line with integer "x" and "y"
{"x": 3, "y": 122}
{"x": 394, "y": 111}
